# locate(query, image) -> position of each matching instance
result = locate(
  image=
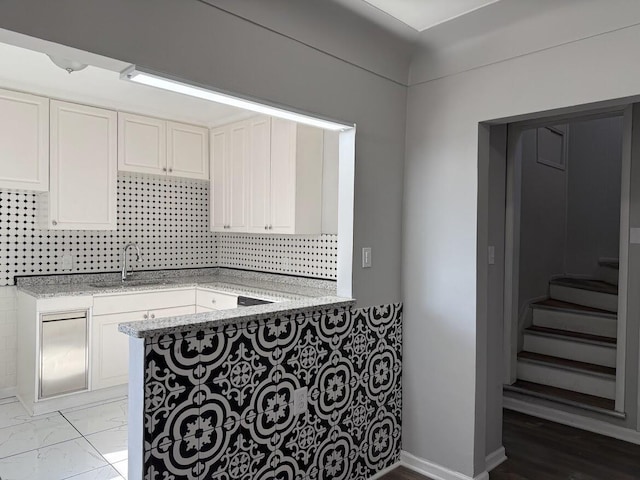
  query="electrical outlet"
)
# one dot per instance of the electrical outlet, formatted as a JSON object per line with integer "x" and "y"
{"x": 66, "y": 262}
{"x": 300, "y": 401}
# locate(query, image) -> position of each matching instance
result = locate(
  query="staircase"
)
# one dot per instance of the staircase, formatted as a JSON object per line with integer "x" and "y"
{"x": 569, "y": 353}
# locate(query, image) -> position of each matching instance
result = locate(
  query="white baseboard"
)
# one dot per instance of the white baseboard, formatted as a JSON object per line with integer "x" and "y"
{"x": 434, "y": 471}
{"x": 382, "y": 473}
{"x": 571, "y": 419}
{"x": 8, "y": 392}
{"x": 495, "y": 458}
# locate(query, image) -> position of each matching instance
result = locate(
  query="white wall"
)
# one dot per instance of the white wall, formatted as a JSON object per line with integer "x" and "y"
{"x": 8, "y": 340}
{"x": 206, "y": 45}
{"x": 330, "y": 163}
{"x": 543, "y": 222}
{"x": 593, "y": 210}
{"x": 439, "y": 228}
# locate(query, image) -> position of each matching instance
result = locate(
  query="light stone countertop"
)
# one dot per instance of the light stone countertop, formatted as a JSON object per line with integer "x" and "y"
{"x": 291, "y": 295}
{"x": 219, "y": 318}
{"x": 263, "y": 285}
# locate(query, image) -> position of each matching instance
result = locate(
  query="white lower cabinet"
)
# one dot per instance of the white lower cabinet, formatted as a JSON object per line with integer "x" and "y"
{"x": 110, "y": 348}
{"x": 215, "y": 300}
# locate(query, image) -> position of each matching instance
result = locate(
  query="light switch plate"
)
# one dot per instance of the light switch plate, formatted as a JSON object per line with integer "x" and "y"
{"x": 366, "y": 257}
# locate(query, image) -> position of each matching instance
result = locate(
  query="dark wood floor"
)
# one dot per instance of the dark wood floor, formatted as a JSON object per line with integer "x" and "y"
{"x": 542, "y": 450}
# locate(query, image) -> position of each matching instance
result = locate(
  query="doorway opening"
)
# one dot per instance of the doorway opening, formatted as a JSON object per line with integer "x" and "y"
{"x": 565, "y": 240}
{"x": 557, "y": 220}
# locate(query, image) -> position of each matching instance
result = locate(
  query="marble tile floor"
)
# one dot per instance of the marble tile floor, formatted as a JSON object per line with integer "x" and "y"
{"x": 87, "y": 443}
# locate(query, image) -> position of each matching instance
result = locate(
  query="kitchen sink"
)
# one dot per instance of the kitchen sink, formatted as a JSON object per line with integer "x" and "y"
{"x": 132, "y": 283}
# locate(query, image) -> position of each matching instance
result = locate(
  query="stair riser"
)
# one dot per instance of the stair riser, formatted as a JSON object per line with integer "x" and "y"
{"x": 575, "y": 322}
{"x": 571, "y": 349}
{"x": 587, "y": 298}
{"x": 582, "y": 382}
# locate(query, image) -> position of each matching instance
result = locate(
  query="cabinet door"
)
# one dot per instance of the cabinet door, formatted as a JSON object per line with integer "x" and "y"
{"x": 83, "y": 168}
{"x": 236, "y": 175}
{"x": 258, "y": 175}
{"x": 283, "y": 176}
{"x": 217, "y": 185}
{"x": 187, "y": 151}
{"x": 142, "y": 144}
{"x": 110, "y": 349}
{"x": 24, "y": 141}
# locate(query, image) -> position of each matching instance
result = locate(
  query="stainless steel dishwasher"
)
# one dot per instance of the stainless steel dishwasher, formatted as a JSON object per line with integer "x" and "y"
{"x": 64, "y": 355}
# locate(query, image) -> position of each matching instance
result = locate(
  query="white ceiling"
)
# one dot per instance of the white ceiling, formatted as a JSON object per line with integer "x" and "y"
{"x": 424, "y": 14}
{"x": 33, "y": 72}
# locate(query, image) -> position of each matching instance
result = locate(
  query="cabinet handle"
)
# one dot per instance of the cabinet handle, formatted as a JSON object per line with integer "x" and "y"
{"x": 213, "y": 300}
{"x": 170, "y": 170}
{"x": 145, "y": 316}
{"x": 270, "y": 227}
{"x": 54, "y": 223}
{"x": 153, "y": 316}
{"x": 164, "y": 169}
{"x": 266, "y": 227}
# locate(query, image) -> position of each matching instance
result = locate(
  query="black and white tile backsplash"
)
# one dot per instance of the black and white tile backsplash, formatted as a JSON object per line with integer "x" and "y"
{"x": 219, "y": 404}
{"x": 168, "y": 218}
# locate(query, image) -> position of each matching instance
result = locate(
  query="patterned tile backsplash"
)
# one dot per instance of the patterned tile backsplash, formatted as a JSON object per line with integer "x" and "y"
{"x": 168, "y": 218}
{"x": 220, "y": 404}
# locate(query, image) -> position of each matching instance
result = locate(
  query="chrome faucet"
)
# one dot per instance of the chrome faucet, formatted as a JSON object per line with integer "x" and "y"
{"x": 124, "y": 258}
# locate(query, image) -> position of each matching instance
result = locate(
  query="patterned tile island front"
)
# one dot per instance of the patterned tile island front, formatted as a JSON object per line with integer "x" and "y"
{"x": 216, "y": 401}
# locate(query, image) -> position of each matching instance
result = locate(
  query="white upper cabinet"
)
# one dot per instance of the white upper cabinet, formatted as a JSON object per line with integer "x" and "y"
{"x": 142, "y": 144}
{"x": 259, "y": 174}
{"x": 160, "y": 147}
{"x": 294, "y": 191}
{"x": 187, "y": 151}
{"x": 266, "y": 177}
{"x": 24, "y": 141}
{"x": 82, "y": 193}
{"x": 228, "y": 195}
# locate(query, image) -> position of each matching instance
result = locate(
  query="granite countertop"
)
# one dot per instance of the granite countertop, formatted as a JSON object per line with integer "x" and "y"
{"x": 291, "y": 295}
{"x": 264, "y": 285}
{"x": 202, "y": 321}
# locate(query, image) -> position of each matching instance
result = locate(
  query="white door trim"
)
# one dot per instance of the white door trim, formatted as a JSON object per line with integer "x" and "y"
{"x": 623, "y": 256}
{"x": 512, "y": 251}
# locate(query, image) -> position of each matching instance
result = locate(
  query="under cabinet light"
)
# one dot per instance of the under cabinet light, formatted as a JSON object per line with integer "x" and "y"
{"x": 134, "y": 75}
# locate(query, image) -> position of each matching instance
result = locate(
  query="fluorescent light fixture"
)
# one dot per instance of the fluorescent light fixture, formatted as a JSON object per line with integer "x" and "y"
{"x": 153, "y": 80}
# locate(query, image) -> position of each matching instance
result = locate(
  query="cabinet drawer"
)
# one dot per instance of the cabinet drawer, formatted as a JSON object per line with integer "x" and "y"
{"x": 172, "y": 312}
{"x": 215, "y": 299}
{"x": 131, "y": 302}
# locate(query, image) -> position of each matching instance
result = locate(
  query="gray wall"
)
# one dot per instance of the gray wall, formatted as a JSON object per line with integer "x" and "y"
{"x": 593, "y": 210}
{"x": 569, "y": 218}
{"x": 543, "y": 222}
{"x": 439, "y": 270}
{"x": 204, "y": 44}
